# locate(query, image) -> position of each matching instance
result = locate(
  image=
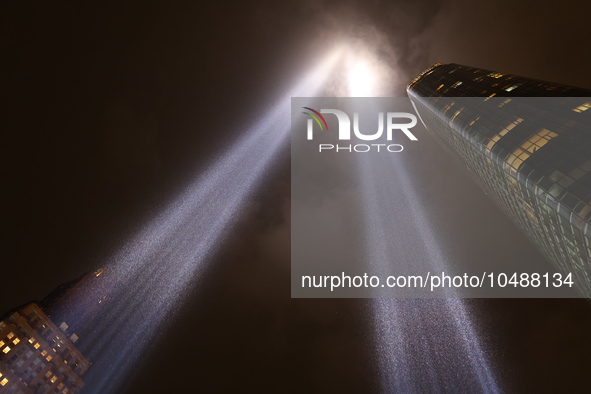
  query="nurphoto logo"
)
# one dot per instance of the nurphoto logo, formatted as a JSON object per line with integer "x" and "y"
{"x": 393, "y": 124}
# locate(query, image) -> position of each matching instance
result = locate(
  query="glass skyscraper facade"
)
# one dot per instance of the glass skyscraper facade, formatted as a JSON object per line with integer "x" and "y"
{"x": 528, "y": 144}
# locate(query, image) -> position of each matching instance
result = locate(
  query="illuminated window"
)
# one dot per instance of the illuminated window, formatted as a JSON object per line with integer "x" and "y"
{"x": 455, "y": 115}
{"x": 534, "y": 143}
{"x": 48, "y": 358}
{"x": 447, "y": 107}
{"x": 538, "y": 140}
{"x": 6, "y": 350}
{"x": 36, "y": 346}
{"x": 531, "y": 213}
{"x": 16, "y": 341}
{"x": 52, "y": 380}
{"x": 440, "y": 86}
{"x": 10, "y": 335}
{"x": 48, "y": 374}
{"x": 474, "y": 121}
{"x": 496, "y": 75}
{"x": 3, "y": 382}
{"x": 59, "y": 386}
{"x": 510, "y": 88}
{"x": 31, "y": 340}
{"x": 584, "y": 210}
{"x": 455, "y": 85}
{"x": 43, "y": 353}
{"x": 501, "y": 133}
{"x": 583, "y": 107}
{"x": 2, "y": 343}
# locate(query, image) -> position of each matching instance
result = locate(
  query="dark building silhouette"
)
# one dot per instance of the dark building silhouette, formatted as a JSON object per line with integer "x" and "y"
{"x": 38, "y": 356}
{"x": 78, "y": 302}
{"x": 531, "y": 155}
{"x": 38, "y": 341}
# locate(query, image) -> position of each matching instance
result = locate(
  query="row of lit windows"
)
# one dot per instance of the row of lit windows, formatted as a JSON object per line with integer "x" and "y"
{"x": 491, "y": 142}
{"x": 11, "y": 337}
{"x": 535, "y": 142}
{"x": 496, "y": 75}
{"x": 501, "y": 133}
{"x": 567, "y": 248}
{"x": 423, "y": 84}
{"x": 52, "y": 378}
{"x": 583, "y": 107}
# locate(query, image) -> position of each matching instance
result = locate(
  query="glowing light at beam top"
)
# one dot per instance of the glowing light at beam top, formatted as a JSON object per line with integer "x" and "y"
{"x": 360, "y": 79}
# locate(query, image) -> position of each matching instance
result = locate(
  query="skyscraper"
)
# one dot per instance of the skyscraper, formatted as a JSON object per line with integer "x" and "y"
{"x": 528, "y": 144}
{"x": 37, "y": 356}
{"x": 38, "y": 341}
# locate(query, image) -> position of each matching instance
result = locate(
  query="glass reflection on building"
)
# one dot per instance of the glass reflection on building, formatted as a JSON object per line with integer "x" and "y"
{"x": 528, "y": 144}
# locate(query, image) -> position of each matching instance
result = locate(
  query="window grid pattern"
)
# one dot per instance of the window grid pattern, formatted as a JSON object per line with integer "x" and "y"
{"x": 531, "y": 155}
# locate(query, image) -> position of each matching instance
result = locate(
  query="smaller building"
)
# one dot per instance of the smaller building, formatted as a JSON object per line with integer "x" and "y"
{"x": 80, "y": 302}
{"x": 37, "y": 356}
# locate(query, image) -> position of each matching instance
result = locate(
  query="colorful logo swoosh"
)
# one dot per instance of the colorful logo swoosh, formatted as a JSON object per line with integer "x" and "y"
{"x": 315, "y": 116}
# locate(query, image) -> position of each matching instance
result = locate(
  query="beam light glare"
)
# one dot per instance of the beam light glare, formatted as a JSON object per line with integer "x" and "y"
{"x": 158, "y": 267}
{"x": 418, "y": 342}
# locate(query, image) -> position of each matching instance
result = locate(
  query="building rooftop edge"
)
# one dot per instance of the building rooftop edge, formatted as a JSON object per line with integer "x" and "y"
{"x": 427, "y": 70}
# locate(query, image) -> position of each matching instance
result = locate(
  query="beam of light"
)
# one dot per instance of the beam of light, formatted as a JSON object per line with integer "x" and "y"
{"x": 422, "y": 345}
{"x": 426, "y": 345}
{"x": 360, "y": 79}
{"x": 156, "y": 269}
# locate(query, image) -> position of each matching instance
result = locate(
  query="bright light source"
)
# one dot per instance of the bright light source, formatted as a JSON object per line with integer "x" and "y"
{"x": 361, "y": 80}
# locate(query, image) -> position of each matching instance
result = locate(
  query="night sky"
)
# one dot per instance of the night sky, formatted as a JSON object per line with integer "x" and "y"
{"x": 109, "y": 109}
